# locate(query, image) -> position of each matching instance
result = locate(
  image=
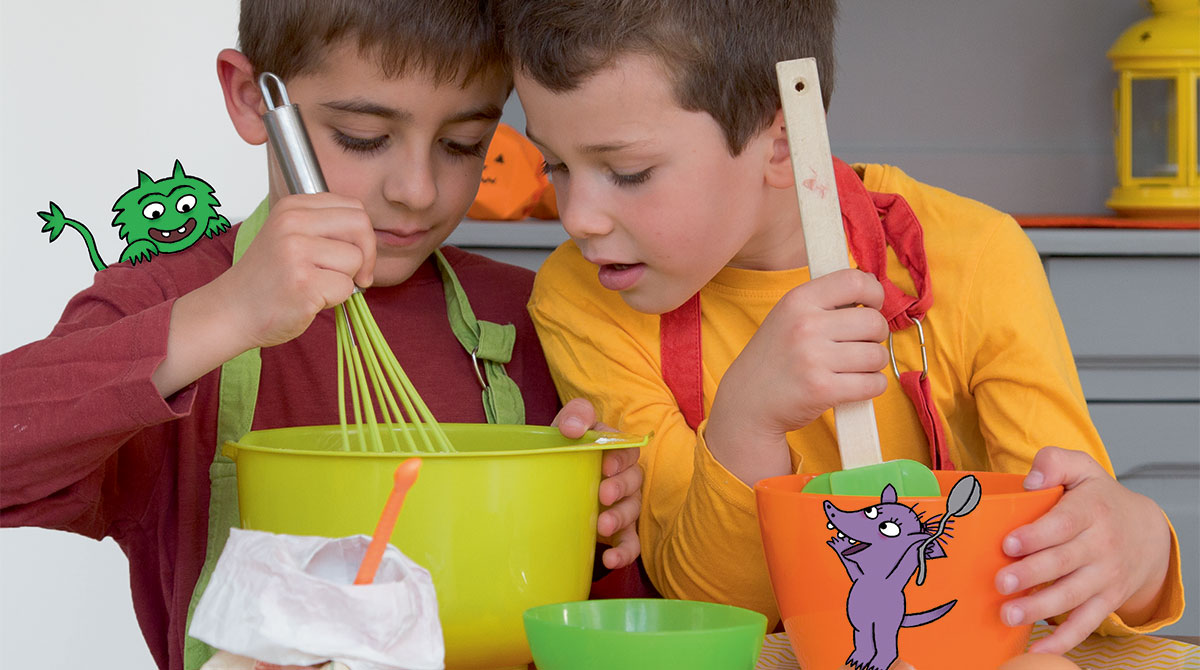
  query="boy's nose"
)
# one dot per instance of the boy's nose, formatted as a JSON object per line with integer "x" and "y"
{"x": 579, "y": 212}
{"x": 412, "y": 183}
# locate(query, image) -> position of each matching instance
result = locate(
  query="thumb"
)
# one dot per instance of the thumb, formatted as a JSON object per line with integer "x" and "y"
{"x": 575, "y": 418}
{"x": 1054, "y": 466}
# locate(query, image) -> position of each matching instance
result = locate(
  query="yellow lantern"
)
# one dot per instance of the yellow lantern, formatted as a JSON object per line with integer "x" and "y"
{"x": 1158, "y": 158}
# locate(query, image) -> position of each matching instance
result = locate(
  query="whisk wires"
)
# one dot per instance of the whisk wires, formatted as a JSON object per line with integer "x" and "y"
{"x": 367, "y": 366}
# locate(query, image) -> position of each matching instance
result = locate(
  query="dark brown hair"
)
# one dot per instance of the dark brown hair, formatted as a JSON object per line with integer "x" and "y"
{"x": 451, "y": 40}
{"x": 720, "y": 54}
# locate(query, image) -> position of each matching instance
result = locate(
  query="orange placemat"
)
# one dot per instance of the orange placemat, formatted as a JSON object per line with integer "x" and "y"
{"x": 1138, "y": 652}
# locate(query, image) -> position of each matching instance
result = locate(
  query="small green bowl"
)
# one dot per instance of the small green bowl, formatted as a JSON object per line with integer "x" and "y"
{"x": 637, "y": 634}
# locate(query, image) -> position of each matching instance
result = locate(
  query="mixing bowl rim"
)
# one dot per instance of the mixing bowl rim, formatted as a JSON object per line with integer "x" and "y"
{"x": 755, "y": 620}
{"x": 765, "y": 487}
{"x": 601, "y": 441}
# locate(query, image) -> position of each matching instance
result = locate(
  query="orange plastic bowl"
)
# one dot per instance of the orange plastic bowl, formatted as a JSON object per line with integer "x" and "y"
{"x": 951, "y": 621}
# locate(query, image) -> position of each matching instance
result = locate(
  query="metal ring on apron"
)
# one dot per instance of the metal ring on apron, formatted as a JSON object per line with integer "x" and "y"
{"x": 924, "y": 355}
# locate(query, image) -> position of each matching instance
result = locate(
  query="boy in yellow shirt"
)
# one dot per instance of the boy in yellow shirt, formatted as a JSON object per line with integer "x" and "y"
{"x": 660, "y": 123}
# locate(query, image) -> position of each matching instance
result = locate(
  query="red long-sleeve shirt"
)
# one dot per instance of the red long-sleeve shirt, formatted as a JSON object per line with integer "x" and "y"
{"x": 87, "y": 444}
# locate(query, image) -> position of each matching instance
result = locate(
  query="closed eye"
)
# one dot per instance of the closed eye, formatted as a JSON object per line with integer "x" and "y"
{"x": 476, "y": 150}
{"x": 360, "y": 145}
{"x": 634, "y": 179}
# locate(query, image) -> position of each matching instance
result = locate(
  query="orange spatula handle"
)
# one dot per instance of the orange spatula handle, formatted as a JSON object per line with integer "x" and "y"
{"x": 405, "y": 475}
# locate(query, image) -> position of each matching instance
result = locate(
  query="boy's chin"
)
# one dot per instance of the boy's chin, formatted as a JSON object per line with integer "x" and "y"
{"x": 653, "y": 302}
{"x": 395, "y": 272}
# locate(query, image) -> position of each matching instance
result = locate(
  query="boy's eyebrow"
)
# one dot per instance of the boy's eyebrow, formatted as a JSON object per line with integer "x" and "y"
{"x": 367, "y": 107}
{"x": 591, "y": 148}
{"x": 487, "y": 112}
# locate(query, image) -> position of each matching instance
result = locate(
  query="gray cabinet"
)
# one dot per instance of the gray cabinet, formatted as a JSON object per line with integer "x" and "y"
{"x": 1130, "y": 302}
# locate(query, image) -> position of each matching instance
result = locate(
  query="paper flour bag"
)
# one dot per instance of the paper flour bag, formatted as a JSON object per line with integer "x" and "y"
{"x": 291, "y": 600}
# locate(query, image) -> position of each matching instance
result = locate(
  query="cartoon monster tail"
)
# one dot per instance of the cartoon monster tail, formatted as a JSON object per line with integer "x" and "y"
{"x": 928, "y": 616}
{"x": 56, "y": 221}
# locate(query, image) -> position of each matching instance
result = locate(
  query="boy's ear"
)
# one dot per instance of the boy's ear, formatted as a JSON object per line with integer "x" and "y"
{"x": 779, "y": 159}
{"x": 243, "y": 99}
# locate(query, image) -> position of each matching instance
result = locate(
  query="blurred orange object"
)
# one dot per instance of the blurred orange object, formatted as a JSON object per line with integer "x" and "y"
{"x": 513, "y": 185}
{"x": 812, "y": 585}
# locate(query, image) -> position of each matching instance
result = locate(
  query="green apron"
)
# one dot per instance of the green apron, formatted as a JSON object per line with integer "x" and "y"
{"x": 489, "y": 344}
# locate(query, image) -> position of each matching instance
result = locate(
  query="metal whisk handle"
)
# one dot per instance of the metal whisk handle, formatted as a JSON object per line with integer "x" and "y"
{"x": 288, "y": 138}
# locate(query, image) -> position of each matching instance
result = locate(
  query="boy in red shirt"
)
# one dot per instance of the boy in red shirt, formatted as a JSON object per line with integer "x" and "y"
{"x": 111, "y": 423}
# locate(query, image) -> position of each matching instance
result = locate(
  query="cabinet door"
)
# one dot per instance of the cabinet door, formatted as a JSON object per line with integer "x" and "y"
{"x": 1133, "y": 323}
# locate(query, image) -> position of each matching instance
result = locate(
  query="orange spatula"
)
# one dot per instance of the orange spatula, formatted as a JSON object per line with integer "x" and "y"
{"x": 406, "y": 474}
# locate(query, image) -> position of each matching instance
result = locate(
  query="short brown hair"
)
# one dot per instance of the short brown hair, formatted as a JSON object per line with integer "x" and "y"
{"x": 720, "y": 53}
{"x": 451, "y": 40}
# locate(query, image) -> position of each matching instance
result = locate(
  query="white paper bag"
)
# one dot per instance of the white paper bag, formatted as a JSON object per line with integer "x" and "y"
{"x": 291, "y": 600}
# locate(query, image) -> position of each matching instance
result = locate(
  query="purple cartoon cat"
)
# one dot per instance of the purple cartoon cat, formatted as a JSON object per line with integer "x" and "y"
{"x": 881, "y": 547}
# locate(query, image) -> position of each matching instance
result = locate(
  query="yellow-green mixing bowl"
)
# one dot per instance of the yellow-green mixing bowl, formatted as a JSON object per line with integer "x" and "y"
{"x": 506, "y": 523}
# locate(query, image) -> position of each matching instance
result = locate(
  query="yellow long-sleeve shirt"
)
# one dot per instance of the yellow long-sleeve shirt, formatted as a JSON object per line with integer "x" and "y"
{"x": 1001, "y": 369}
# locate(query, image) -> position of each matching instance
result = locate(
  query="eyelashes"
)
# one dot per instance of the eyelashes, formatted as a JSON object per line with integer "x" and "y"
{"x": 373, "y": 145}
{"x": 477, "y": 150}
{"x": 359, "y": 145}
{"x": 631, "y": 179}
{"x": 635, "y": 179}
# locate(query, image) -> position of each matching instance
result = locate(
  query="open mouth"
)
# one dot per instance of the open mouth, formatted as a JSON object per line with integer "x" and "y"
{"x": 176, "y": 235}
{"x": 855, "y": 545}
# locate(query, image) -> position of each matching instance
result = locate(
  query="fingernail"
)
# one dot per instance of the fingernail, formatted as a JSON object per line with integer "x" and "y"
{"x": 1012, "y": 546}
{"x": 574, "y": 423}
{"x": 1008, "y": 584}
{"x": 1033, "y": 480}
{"x": 1013, "y": 615}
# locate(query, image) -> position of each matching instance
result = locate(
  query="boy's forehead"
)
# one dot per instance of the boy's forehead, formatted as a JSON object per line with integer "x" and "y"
{"x": 621, "y": 98}
{"x": 351, "y": 81}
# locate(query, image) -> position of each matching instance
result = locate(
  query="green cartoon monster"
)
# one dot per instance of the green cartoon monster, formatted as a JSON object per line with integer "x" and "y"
{"x": 155, "y": 217}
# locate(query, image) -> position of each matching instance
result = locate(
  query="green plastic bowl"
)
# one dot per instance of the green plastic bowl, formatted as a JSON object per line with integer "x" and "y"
{"x": 635, "y": 634}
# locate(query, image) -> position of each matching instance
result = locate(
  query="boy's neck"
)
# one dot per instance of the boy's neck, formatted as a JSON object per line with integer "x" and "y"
{"x": 778, "y": 239}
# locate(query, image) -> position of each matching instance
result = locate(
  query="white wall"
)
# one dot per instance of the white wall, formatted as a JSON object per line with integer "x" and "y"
{"x": 1009, "y": 102}
{"x": 90, "y": 93}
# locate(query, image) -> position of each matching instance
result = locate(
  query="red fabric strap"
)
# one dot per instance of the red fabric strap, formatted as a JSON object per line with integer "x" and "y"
{"x": 679, "y": 343}
{"x": 916, "y": 387}
{"x": 873, "y": 222}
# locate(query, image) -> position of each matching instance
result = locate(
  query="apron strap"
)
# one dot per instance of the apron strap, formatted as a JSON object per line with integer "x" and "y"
{"x": 237, "y": 398}
{"x": 682, "y": 369}
{"x": 238, "y": 395}
{"x": 486, "y": 342}
{"x": 873, "y": 222}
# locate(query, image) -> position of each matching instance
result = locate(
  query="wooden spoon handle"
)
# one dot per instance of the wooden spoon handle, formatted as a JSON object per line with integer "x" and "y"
{"x": 824, "y": 236}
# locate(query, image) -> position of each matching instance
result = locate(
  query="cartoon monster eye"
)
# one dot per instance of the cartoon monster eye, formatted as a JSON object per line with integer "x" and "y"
{"x": 889, "y": 528}
{"x": 186, "y": 203}
{"x": 872, "y": 512}
{"x": 153, "y": 210}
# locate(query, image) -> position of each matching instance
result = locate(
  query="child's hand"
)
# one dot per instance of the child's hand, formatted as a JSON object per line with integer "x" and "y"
{"x": 620, "y": 490}
{"x": 808, "y": 355}
{"x": 1104, "y": 547}
{"x": 311, "y": 252}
